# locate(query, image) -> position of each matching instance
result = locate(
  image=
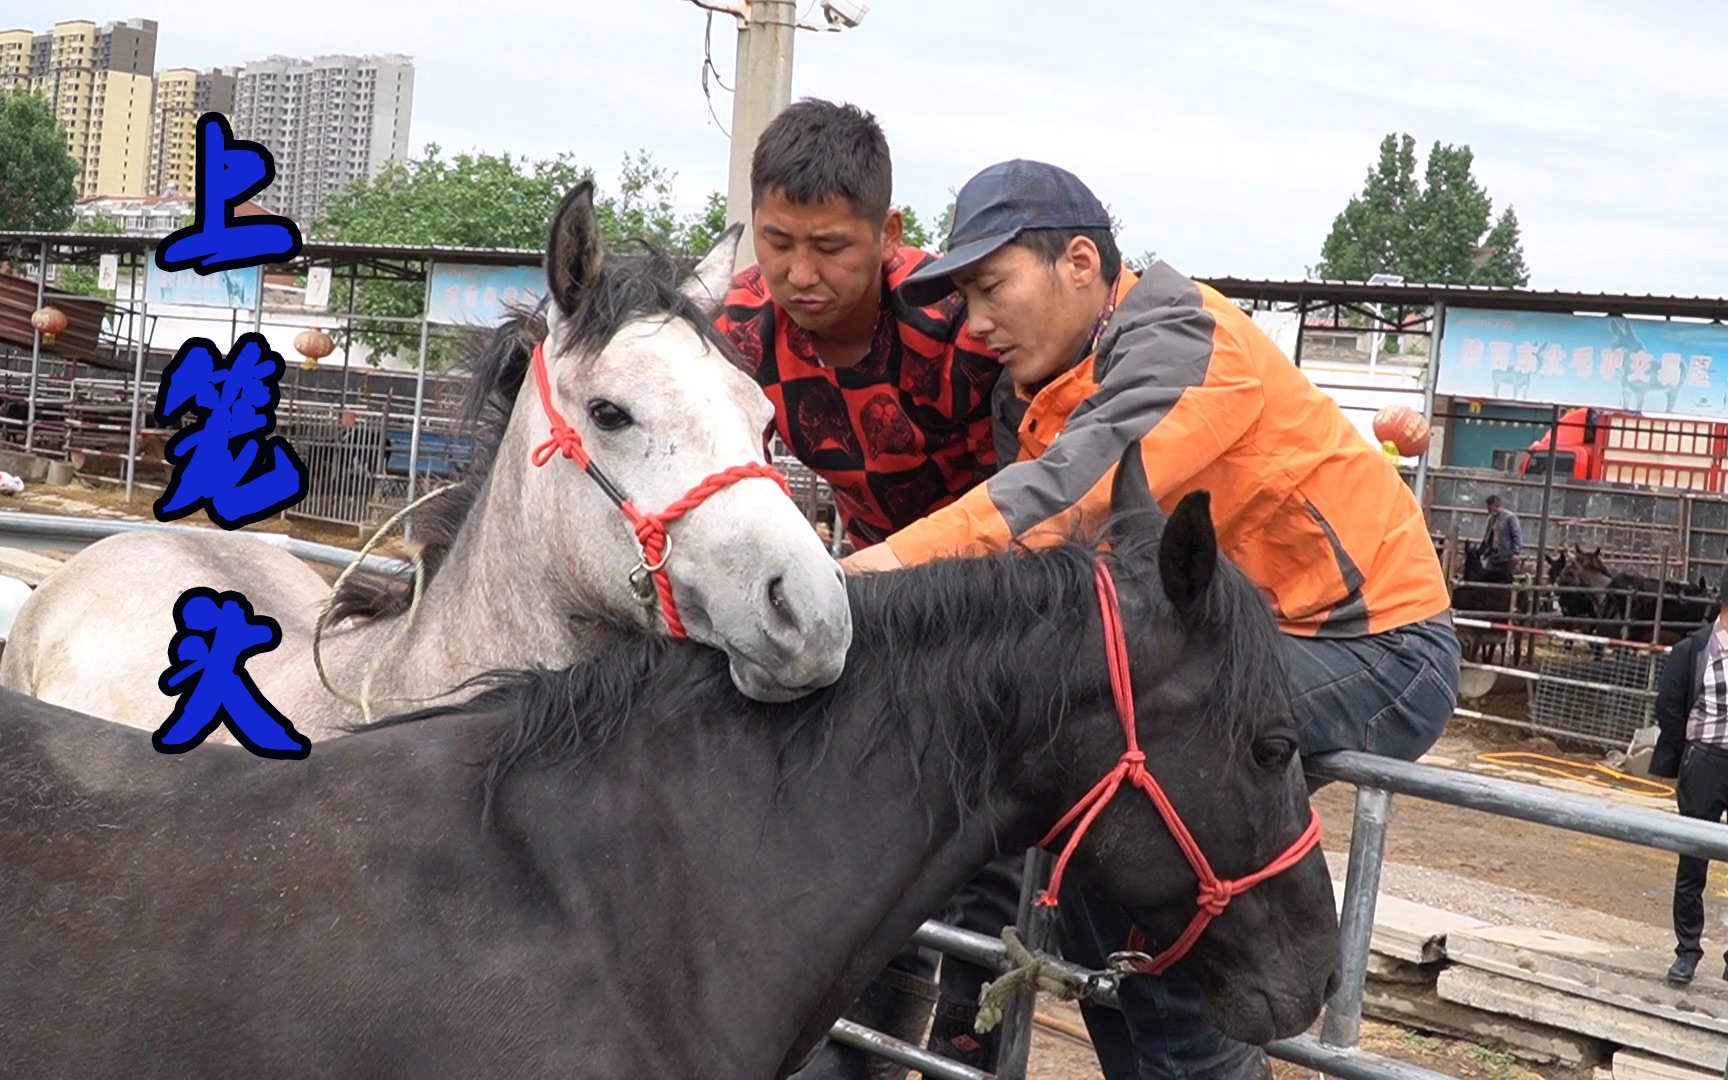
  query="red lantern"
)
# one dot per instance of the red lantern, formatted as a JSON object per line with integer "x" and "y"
{"x": 1404, "y": 428}
{"x": 314, "y": 344}
{"x": 50, "y": 321}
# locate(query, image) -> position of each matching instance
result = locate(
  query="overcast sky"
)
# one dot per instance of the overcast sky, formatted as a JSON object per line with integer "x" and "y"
{"x": 1225, "y": 139}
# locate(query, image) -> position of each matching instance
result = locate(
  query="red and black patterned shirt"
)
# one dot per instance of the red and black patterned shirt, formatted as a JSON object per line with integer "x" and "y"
{"x": 906, "y": 430}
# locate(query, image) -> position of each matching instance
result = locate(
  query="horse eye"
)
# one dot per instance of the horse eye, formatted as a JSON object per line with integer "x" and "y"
{"x": 1273, "y": 753}
{"x": 607, "y": 416}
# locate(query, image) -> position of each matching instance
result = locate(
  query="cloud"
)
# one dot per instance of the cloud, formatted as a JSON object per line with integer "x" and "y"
{"x": 1225, "y": 136}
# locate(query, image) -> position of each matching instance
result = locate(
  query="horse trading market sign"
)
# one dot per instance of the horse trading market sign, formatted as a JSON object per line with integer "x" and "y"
{"x": 1600, "y": 361}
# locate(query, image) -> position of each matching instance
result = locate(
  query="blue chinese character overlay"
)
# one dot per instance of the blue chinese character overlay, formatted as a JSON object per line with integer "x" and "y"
{"x": 230, "y": 171}
{"x": 215, "y": 634}
{"x": 215, "y": 460}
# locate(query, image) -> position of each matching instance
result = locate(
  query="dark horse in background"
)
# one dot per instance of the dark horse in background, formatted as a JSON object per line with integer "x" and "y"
{"x": 628, "y": 869}
{"x": 1485, "y": 594}
{"x": 1595, "y": 599}
{"x": 1632, "y": 600}
{"x": 1579, "y": 578}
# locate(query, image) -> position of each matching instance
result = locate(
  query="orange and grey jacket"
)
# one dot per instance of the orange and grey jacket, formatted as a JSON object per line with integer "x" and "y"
{"x": 1302, "y": 503}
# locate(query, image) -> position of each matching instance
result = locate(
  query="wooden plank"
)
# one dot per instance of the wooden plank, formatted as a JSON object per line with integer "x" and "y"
{"x": 1421, "y": 1008}
{"x": 1631, "y": 1065}
{"x": 30, "y": 567}
{"x": 1541, "y": 1005}
{"x": 1623, "y": 978}
{"x": 1408, "y": 931}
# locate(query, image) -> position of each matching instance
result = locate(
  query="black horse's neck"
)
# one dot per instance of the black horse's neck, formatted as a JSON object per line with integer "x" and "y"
{"x": 799, "y": 881}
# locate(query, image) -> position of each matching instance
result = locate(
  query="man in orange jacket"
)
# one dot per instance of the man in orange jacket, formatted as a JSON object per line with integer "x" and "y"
{"x": 1099, "y": 357}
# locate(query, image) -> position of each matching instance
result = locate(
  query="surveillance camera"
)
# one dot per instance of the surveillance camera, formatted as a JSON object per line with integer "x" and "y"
{"x": 843, "y": 13}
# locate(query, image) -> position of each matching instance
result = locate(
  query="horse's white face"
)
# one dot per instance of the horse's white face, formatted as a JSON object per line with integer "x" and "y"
{"x": 660, "y": 411}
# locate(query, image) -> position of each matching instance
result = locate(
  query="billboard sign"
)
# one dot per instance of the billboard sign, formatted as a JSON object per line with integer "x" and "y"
{"x": 1599, "y": 361}
{"x": 223, "y": 289}
{"x": 464, "y": 295}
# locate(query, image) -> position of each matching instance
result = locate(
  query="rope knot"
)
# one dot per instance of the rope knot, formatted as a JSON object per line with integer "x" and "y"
{"x": 1134, "y": 757}
{"x": 1215, "y": 896}
{"x": 559, "y": 444}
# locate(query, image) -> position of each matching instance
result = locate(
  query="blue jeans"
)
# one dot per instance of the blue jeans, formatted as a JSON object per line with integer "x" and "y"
{"x": 1388, "y": 694}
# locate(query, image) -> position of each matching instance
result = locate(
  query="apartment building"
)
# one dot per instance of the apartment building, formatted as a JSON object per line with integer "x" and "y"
{"x": 326, "y": 121}
{"x": 98, "y": 80}
{"x": 182, "y": 96}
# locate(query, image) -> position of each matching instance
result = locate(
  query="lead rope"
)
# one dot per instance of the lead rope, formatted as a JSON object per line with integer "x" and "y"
{"x": 377, "y": 662}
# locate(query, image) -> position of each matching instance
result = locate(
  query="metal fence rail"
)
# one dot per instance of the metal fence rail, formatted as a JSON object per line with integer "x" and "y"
{"x": 1334, "y": 1052}
{"x": 61, "y": 532}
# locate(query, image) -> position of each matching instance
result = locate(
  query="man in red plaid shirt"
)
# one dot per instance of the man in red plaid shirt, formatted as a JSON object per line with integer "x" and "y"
{"x": 887, "y": 401}
{"x": 890, "y": 403}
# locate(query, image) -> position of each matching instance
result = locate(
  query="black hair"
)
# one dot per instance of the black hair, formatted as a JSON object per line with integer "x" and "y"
{"x": 814, "y": 150}
{"x": 1049, "y": 245}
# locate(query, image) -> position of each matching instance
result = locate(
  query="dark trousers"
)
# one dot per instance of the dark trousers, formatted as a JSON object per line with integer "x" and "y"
{"x": 985, "y": 905}
{"x": 1703, "y": 794}
{"x": 1391, "y": 694}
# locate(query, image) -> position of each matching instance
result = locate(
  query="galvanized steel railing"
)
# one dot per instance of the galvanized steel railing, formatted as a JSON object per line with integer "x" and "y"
{"x": 1334, "y": 1052}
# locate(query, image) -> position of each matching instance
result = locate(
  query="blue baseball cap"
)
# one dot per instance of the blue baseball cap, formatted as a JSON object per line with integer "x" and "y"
{"x": 992, "y": 209}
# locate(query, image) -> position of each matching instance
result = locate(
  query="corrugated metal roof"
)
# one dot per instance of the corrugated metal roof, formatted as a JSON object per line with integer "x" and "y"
{"x": 25, "y": 243}
{"x": 1483, "y": 296}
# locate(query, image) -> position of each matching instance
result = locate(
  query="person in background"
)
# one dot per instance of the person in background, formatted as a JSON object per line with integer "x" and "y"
{"x": 888, "y": 401}
{"x": 1502, "y": 541}
{"x": 1692, "y": 747}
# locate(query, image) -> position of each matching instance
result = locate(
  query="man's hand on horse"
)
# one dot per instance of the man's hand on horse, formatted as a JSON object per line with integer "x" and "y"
{"x": 875, "y": 557}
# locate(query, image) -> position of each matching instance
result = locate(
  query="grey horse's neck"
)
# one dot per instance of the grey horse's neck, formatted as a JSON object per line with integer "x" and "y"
{"x": 496, "y": 602}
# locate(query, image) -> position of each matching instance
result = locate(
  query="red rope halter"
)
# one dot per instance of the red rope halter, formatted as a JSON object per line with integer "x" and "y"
{"x": 650, "y": 528}
{"x": 1215, "y": 893}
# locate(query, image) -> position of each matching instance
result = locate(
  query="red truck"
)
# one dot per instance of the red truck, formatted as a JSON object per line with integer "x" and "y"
{"x": 1626, "y": 448}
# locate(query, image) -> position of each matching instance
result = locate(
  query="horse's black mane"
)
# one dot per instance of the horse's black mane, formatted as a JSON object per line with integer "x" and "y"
{"x": 630, "y": 288}
{"x": 986, "y": 628}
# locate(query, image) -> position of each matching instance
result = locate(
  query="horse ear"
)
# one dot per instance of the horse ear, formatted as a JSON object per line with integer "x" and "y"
{"x": 575, "y": 249}
{"x": 1188, "y": 555}
{"x": 1133, "y": 510}
{"x": 709, "y": 283}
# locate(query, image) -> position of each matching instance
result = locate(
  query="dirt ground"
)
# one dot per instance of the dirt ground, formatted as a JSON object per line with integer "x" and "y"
{"x": 1436, "y": 854}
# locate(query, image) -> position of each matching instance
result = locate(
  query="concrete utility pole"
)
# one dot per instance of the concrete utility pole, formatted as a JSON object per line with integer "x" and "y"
{"x": 763, "y": 87}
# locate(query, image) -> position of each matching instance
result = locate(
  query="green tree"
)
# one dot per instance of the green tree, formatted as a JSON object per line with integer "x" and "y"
{"x": 1367, "y": 237}
{"x": 1447, "y": 220}
{"x": 38, "y": 184}
{"x": 1502, "y": 254}
{"x": 486, "y": 200}
{"x": 1436, "y": 230}
{"x": 915, "y": 233}
{"x": 701, "y": 231}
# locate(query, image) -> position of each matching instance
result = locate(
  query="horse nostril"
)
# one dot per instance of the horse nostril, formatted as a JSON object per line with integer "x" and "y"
{"x": 777, "y": 595}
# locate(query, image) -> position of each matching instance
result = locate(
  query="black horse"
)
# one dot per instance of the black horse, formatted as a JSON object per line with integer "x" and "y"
{"x": 627, "y": 869}
{"x": 1484, "y": 594}
{"x": 1631, "y": 601}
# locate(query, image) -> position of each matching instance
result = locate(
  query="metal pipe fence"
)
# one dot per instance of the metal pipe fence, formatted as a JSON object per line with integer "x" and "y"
{"x": 1336, "y": 1050}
